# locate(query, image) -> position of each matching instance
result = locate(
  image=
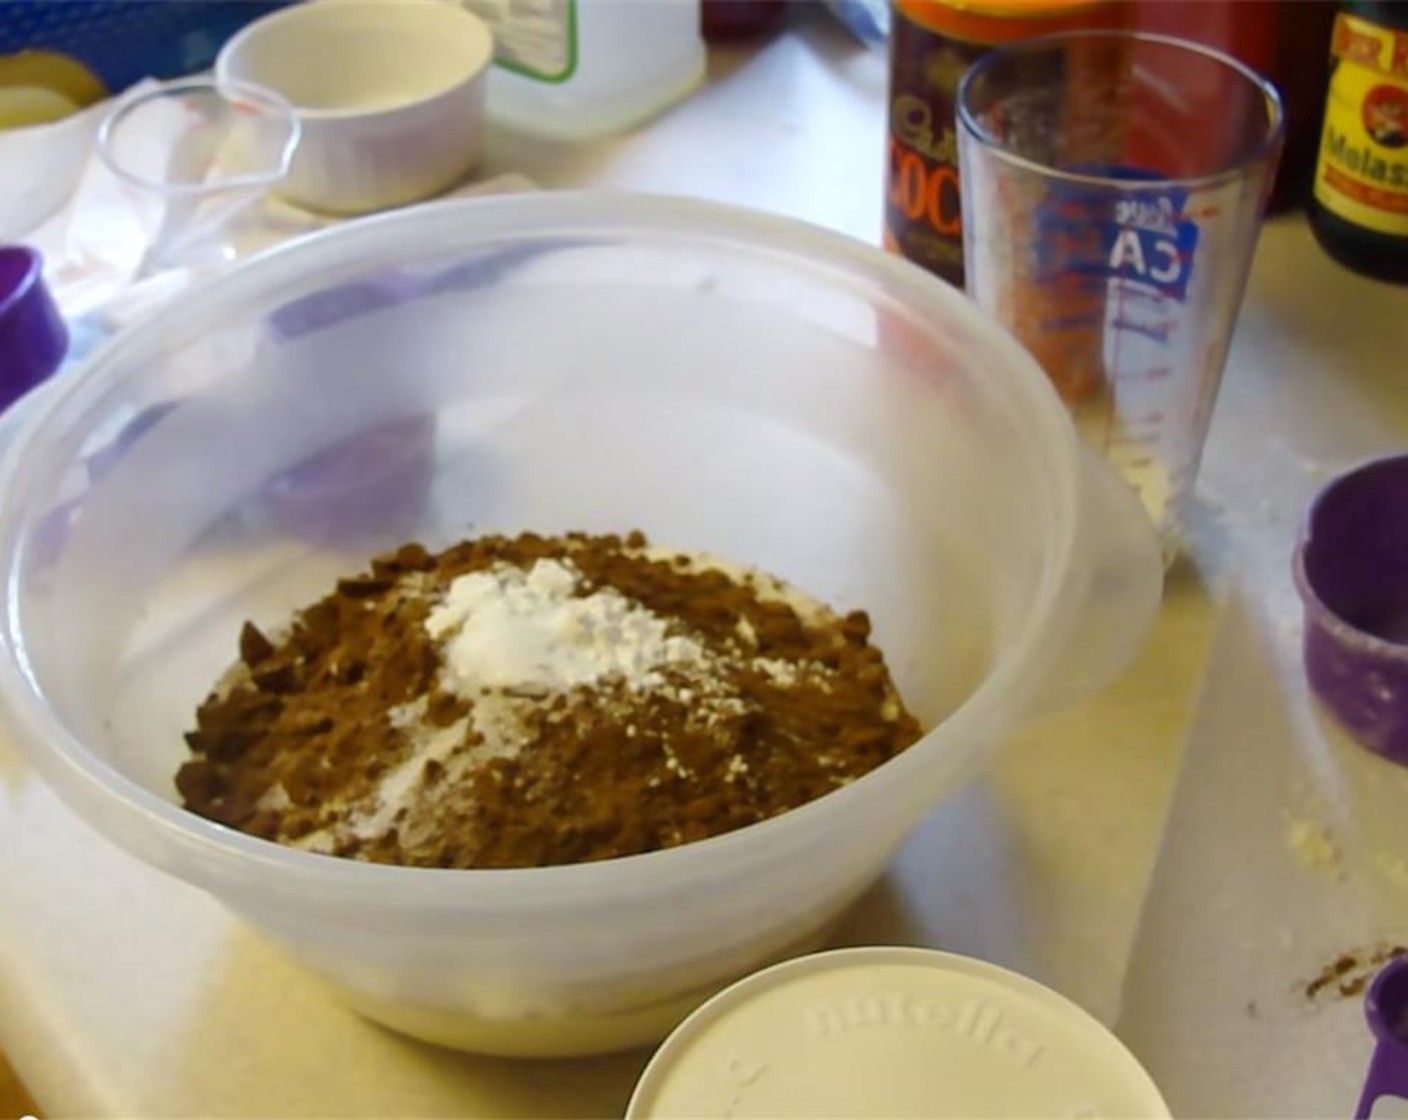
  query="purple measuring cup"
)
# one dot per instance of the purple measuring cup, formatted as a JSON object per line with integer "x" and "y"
{"x": 1351, "y": 570}
{"x": 33, "y": 337}
{"x": 1386, "y": 1008}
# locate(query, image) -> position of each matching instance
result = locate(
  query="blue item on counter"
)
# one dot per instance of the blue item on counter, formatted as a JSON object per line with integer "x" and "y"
{"x": 867, "y": 20}
{"x": 123, "y": 41}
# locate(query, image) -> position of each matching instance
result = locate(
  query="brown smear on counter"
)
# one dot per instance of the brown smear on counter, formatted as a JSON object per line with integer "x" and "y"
{"x": 301, "y": 728}
{"x": 1350, "y": 973}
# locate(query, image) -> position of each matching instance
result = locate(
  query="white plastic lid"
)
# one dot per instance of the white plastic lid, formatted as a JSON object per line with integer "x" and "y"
{"x": 892, "y": 1032}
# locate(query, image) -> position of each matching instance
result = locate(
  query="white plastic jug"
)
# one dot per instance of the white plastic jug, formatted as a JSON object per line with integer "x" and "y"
{"x": 582, "y": 69}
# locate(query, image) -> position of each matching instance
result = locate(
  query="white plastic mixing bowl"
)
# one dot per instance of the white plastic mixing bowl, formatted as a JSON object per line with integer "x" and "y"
{"x": 723, "y": 380}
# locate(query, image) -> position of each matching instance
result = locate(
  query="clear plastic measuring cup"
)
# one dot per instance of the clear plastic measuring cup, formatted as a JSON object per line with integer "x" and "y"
{"x": 193, "y": 154}
{"x": 1113, "y": 184}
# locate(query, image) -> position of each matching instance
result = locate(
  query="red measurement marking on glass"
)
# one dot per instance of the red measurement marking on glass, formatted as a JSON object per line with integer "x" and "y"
{"x": 1132, "y": 378}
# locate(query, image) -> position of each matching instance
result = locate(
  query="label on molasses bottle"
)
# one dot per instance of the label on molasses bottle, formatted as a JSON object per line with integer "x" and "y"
{"x": 1362, "y": 173}
{"x": 922, "y": 221}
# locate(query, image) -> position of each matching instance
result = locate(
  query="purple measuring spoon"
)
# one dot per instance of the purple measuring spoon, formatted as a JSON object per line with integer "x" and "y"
{"x": 1386, "y": 1008}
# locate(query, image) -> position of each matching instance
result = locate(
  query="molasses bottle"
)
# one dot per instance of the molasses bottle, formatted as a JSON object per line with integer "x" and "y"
{"x": 1359, "y": 210}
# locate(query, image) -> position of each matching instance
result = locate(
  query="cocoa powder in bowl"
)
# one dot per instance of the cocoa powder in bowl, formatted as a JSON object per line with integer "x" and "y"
{"x": 534, "y": 701}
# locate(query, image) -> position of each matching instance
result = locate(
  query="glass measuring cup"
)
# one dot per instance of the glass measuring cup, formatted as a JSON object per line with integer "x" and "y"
{"x": 1113, "y": 185}
{"x": 193, "y": 154}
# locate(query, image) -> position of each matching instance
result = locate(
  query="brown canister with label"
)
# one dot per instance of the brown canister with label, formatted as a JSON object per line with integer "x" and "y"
{"x": 932, "y": 42}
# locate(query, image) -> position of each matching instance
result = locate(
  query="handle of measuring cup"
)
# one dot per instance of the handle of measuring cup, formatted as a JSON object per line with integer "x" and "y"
{"x": 1387, "y": 1077}
{"x": 1119, "y": 574}
{"x": 1385, "y": 1005}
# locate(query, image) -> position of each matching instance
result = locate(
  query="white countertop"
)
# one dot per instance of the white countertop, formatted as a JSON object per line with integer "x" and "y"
{"x": 123, "y": 992}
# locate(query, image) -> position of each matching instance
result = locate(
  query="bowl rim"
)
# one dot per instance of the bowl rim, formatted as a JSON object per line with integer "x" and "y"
{"x": 215, "y": 856}
{"x": 312, "y": 10}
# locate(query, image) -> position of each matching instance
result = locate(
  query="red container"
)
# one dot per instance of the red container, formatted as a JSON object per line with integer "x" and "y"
{"x": 1288, "y": 41}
